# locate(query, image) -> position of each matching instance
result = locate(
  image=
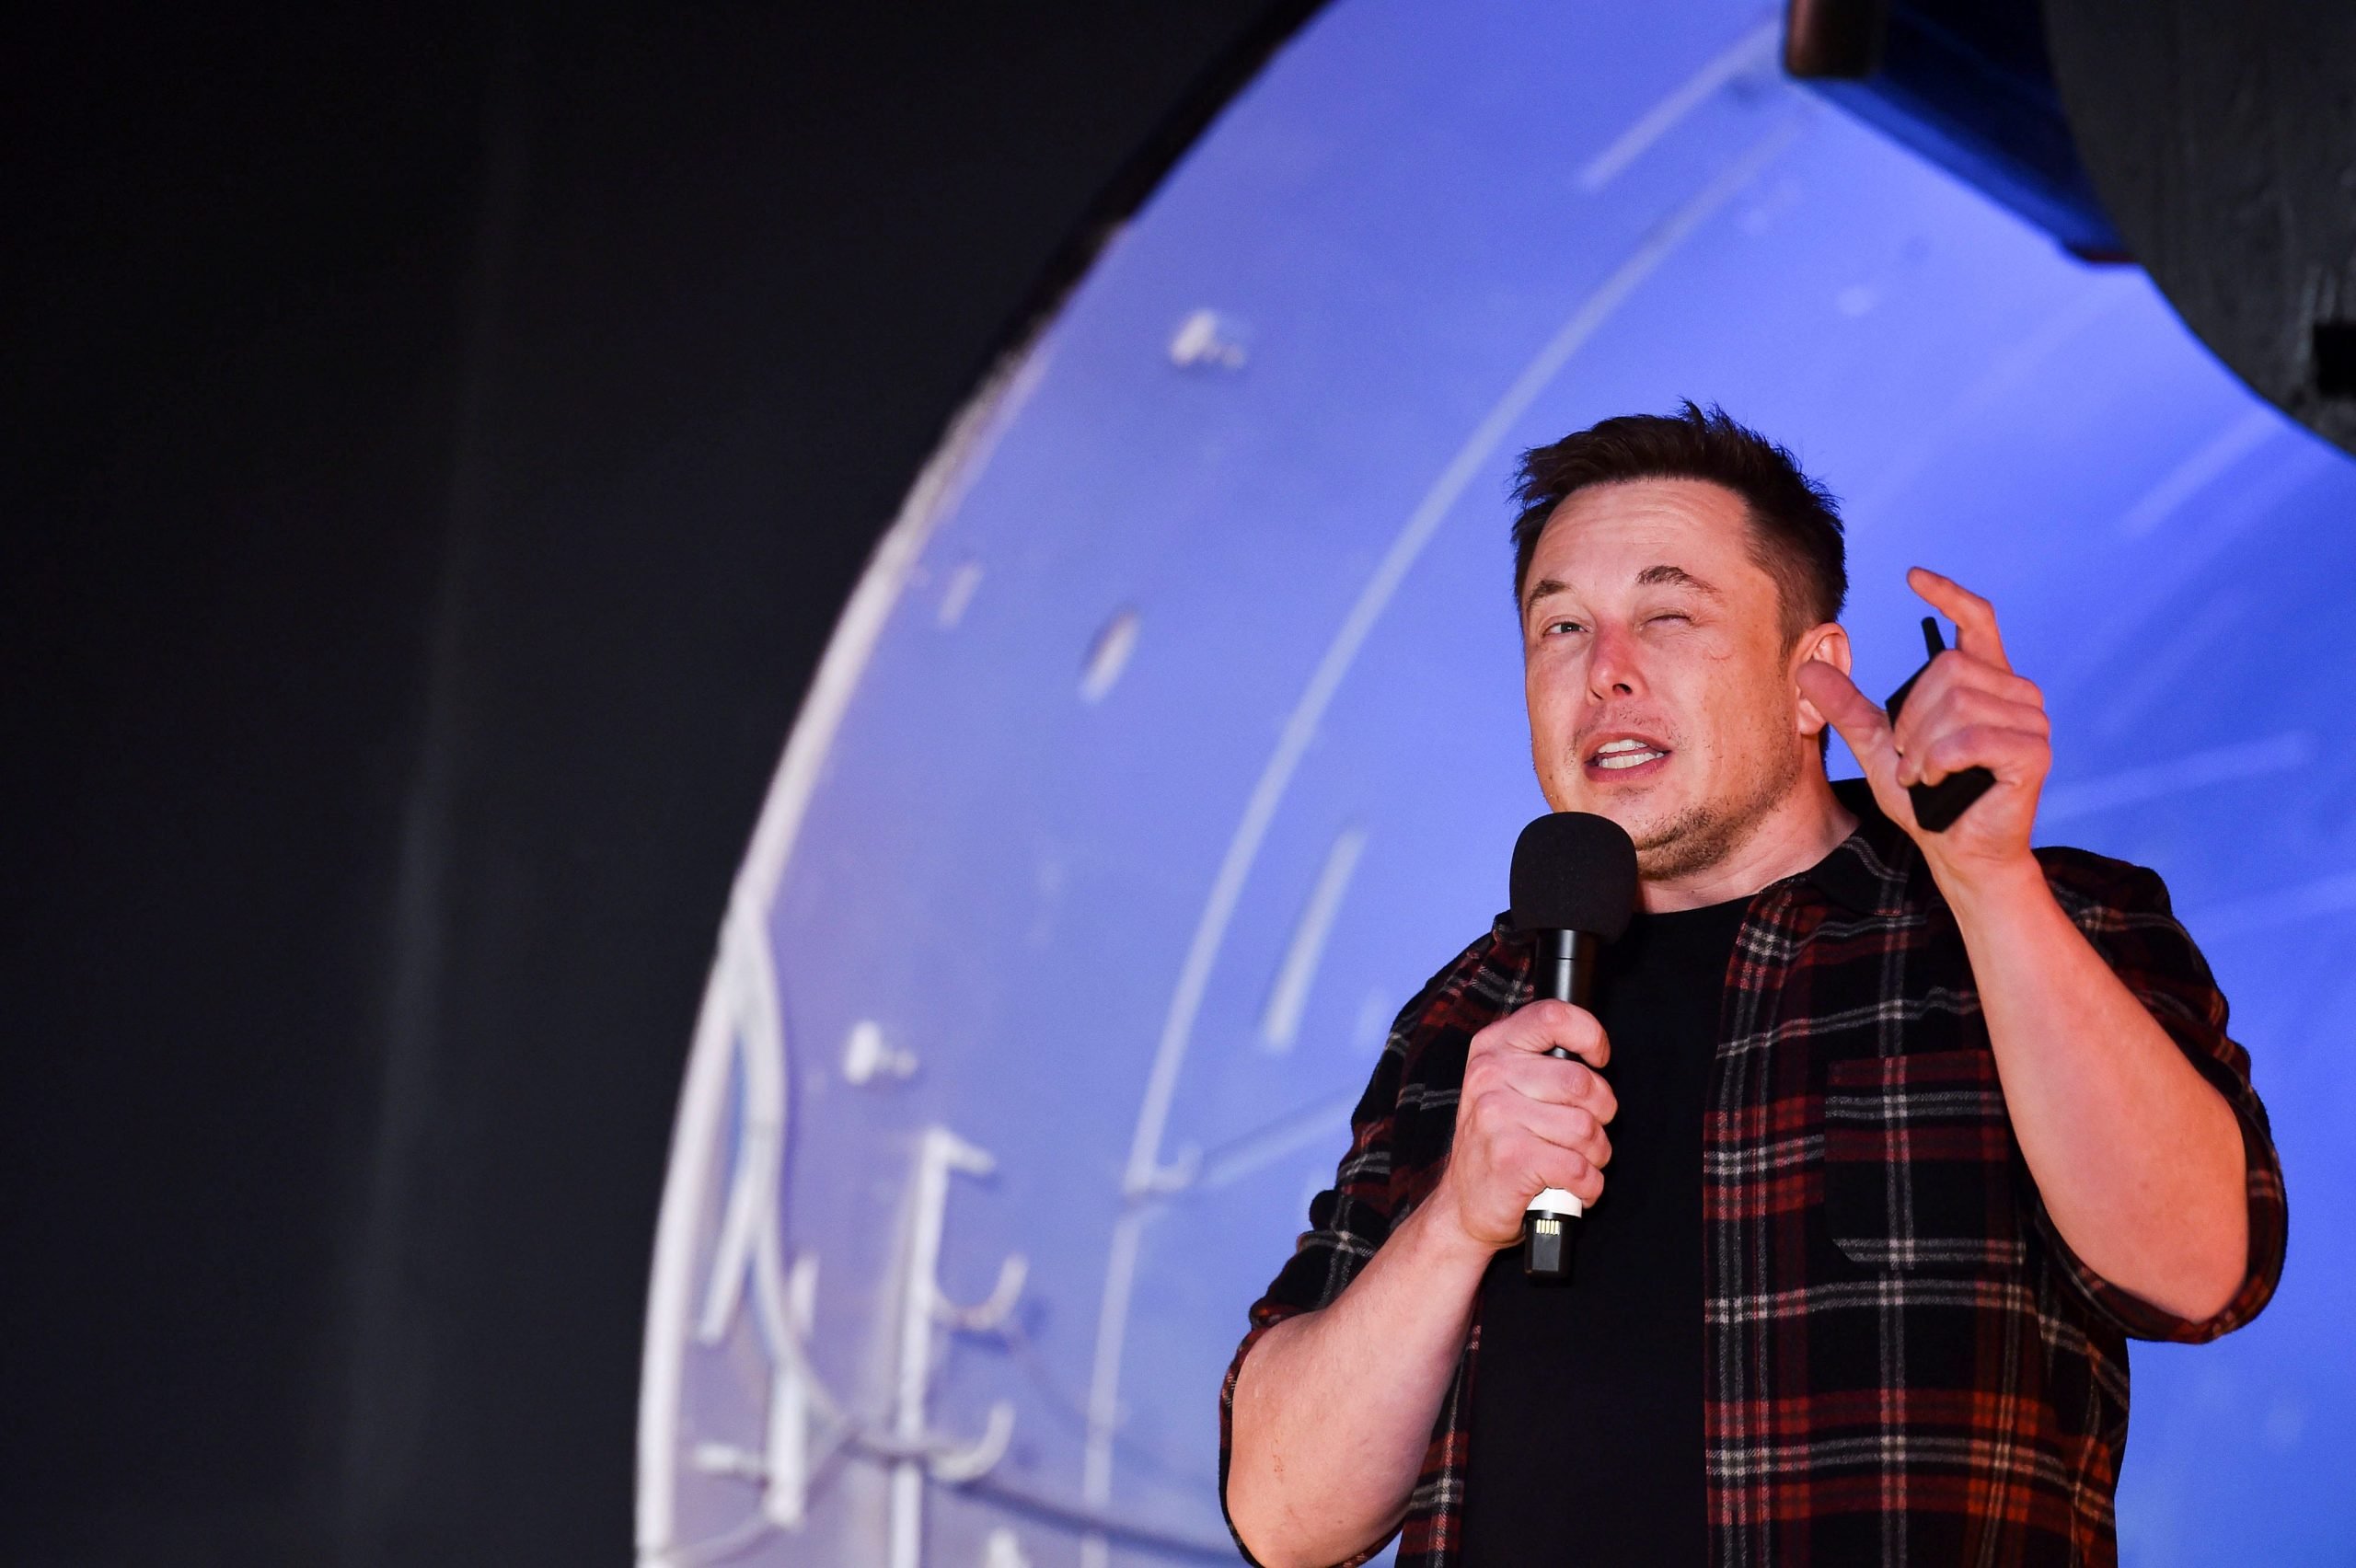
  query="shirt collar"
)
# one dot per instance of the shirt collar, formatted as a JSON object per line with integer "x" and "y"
{"x": 1872, "y": 871}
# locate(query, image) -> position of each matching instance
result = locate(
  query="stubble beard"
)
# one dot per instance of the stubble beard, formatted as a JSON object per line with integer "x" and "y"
{"x": 1702, "y": 834}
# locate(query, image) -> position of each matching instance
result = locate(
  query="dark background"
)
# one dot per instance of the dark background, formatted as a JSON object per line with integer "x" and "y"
{"x": 437, "y": 448}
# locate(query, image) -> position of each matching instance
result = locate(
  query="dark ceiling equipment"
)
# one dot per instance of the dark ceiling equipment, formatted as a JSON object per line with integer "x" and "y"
{"x": 1965, "y": 84}
{"x": 2214, "y": 143}
{"x": 2222, "y": 137}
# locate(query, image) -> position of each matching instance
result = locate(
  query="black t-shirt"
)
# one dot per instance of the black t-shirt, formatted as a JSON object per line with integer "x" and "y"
{"x": 1586, "y": 1407}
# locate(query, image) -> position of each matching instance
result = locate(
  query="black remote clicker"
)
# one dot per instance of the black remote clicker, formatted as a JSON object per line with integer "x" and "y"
{"x": 1937, "y": 805}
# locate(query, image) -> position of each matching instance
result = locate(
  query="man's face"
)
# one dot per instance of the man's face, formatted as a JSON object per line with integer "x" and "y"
{"x": 1661, "y": 694}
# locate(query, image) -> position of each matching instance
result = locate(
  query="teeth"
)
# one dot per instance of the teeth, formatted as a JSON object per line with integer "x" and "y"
{"x": 1609, "y": 758}
{"x": 1619, "y": 746}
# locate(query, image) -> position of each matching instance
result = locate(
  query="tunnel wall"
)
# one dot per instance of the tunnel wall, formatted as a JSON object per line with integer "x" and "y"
{"x": 1175, "y": 738}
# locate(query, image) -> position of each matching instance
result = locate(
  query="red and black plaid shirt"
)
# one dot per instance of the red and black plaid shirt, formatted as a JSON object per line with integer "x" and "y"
{"x": 1904, "y": 1360}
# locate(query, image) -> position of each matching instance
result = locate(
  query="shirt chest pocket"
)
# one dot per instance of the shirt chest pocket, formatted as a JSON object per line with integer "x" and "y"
{"x": 1919, "y": 1163}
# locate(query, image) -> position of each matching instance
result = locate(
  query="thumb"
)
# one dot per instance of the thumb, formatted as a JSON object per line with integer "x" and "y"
{"x": 1864, "y": 726}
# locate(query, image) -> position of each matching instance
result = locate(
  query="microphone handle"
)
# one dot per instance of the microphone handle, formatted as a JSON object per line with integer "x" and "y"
{"x": 1563, "y": 969}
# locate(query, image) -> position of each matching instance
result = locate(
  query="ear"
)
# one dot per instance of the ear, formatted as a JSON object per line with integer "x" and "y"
{"x": 1829, "y": 644}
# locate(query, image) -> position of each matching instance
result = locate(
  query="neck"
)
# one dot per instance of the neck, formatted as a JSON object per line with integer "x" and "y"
{"x": 1803, "y": 827}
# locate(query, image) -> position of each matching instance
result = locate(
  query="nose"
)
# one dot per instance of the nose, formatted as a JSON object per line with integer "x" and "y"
{"x": 1611, "y": 669}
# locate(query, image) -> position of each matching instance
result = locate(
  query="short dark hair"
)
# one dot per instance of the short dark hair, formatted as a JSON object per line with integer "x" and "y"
{"x": 1795, "y": 521}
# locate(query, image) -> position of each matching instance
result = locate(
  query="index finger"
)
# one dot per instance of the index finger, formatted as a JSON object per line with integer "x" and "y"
{"x": 1547, "y": 1027}
{"x": 1974, "y": 617}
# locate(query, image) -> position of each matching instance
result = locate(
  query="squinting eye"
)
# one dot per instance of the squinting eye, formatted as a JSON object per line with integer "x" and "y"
{"x": 1564, "y": 626}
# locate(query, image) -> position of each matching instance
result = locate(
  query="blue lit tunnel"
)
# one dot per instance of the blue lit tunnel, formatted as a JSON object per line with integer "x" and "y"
{"x": 1174, "y": 737}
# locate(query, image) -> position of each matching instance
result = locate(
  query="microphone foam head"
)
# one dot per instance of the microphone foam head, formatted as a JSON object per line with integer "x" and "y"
{"x": 1574, "y": 871}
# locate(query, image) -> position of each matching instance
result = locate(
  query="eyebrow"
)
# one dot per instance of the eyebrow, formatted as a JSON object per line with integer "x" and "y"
{"x": 1545, "y": 588}
{"x": 1651, "y": 577}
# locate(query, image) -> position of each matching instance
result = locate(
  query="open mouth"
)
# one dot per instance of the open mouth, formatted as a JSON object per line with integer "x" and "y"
{"x": 1626, "y": 755}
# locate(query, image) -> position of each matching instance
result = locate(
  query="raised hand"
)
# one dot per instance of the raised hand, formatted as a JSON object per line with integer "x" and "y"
{"x": 1968, "y": 709}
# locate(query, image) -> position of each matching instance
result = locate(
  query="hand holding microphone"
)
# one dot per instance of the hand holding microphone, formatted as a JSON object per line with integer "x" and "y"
{"x": 1530, "y": 1146}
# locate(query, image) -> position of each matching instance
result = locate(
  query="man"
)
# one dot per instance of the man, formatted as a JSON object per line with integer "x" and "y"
{"x": 1904, "y": 1133}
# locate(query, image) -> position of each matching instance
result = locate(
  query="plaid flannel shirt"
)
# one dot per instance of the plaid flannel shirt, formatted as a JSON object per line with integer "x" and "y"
{"x": 1905, "y": 1362}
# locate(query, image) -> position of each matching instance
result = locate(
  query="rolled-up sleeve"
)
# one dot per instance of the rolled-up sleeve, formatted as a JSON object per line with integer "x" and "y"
{"x": 1399, "y": 1139}
{"x": 1346, "y": 1223}
{"x": 2125, "y": 913}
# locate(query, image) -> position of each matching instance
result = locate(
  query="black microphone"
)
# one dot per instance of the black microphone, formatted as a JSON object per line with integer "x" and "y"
{"x": 1574, "y": 889}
